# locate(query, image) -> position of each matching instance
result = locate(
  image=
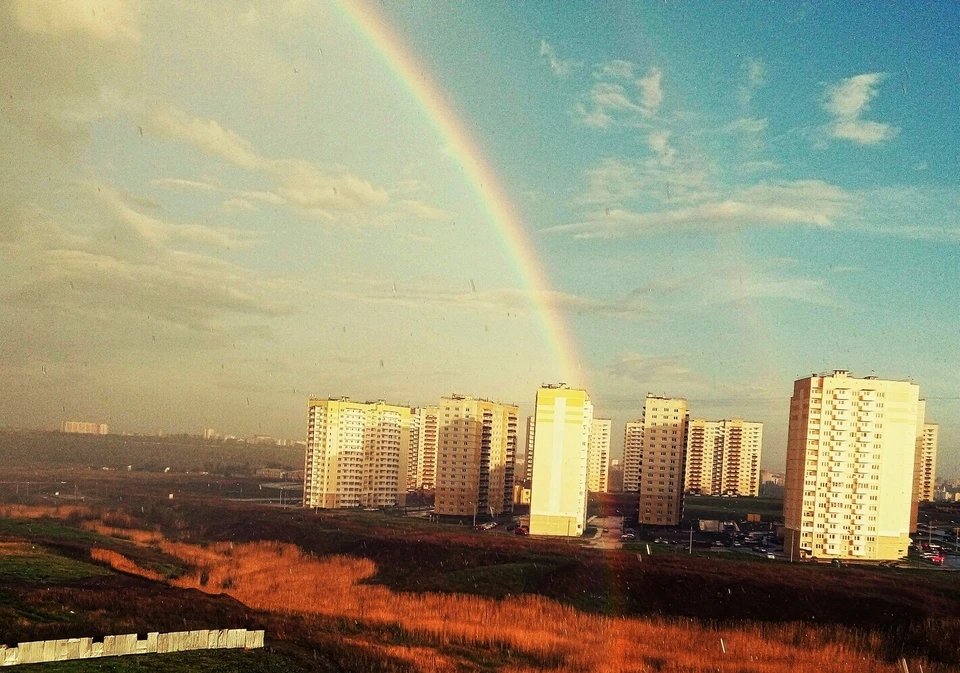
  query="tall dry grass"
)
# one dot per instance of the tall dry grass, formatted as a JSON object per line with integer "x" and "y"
{"x": 280, "y": 577}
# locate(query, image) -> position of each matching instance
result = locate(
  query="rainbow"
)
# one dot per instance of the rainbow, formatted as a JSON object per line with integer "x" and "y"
{"x": 490, "y": 191}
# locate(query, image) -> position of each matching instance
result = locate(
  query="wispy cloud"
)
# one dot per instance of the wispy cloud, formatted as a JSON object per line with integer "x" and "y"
{"x": 331, "y": 194}
{"x": 620, "y": 97}
{"x": 496, "y": 300}
{"x": 803, "y": 202}
{"x": 847, "y": 101}
{"x": 754, "y": 72}
{"x": 559, "y": 66}
{"x": 106, "y": 20}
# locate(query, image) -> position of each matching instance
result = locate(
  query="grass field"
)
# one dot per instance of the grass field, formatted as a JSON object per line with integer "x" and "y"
{"x": 897, "y": 611}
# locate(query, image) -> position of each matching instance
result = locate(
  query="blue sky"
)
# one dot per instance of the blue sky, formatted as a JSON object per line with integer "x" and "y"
{"x": 209, "y": 211}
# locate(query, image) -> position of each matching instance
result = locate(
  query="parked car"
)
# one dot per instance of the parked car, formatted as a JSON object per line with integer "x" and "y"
{"x": 520, "y": 530}
{"x": 628, "y": 536}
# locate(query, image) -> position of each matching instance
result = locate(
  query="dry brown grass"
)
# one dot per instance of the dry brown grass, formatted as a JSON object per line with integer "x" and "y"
{"x": 281, "y": 578}
{"x": 44, "y": 511}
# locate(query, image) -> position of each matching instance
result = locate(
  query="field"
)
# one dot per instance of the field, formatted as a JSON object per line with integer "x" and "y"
{"x": 373, "y": 591}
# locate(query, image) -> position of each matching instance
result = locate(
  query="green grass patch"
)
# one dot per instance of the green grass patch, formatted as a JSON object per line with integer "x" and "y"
{"x": 735, "y": 509}
{"x": 491, "y": 580}
{"x": 34, "y": 564}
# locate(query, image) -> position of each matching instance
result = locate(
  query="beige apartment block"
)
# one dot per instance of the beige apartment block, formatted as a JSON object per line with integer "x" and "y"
{"x": 928, "y": 461}
{"x": 477, "y": 449}
{"x": 850, "y": 467}
{"x": 84, "y": 428}
{"x": 662, "y": 460}
{"x": 558, "y": 501}
{"x": 723, "y": 457}
{"x": 356, "y": 454}
{"x": 422, "y": 464}
{"x": 632, "y": 451}
{"x": 598, "y": 455}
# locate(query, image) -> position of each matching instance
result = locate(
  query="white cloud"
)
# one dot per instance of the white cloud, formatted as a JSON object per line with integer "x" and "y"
{"x": 560, "y": 66}
{"x": 620, "y": 97}
{"x": 117, "y": 262}
{"x": 652, "y": 90}
{"x": 100, "y": 19}
{"x": 659, "y": 142}
{"x": 652, "y": 369}
{"x": 802, "y": 202}
{"x": 323, "y": 193}
{"x": 847, "y": 101}
{"x": 747, "y": 126}
{"x": 494, "y": 300}
{"x": 754, "y": 76}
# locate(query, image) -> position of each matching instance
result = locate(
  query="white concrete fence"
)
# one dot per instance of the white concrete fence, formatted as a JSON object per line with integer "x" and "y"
{"x": 115, "y": 646}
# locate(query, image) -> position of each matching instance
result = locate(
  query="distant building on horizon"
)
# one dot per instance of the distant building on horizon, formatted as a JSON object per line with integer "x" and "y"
{"x": 632, "y": 451}
{"x": 477, "y": 450}
{"x": 558, "y": 501}
{"x": 662, "y": 460}
{"x": 926, "y": 457}
{"x": 598, "y": 455}
{"x": 850, "y": 467}
{"x": 356, "y": 454}
{"x": 615, "y": 476}
{"x": 723, "y": 457}
{"x": 84, "y": 428}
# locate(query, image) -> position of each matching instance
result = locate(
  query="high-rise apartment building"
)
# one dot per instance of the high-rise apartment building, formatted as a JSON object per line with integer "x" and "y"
{"x": 356, "y": 454}
{"x": 662, "y": 460}
{"x": 558, "y": 502}
{"x": 615, "y": 476}
{"x": 850, "y": 467}
{"x": 477, "y": 442}
{"x": 632, "y": 451}
{"x": 598, "y": 455}
{"x": 422, "y": 464}
{"x": 927, "y": 461}
{"x": 723, "y": 457}
{"x": 528, "y": 454}
{"x": 84, "y": 428}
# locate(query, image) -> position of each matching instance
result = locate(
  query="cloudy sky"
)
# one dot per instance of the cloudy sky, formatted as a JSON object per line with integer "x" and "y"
{"x": 211, "y": 210}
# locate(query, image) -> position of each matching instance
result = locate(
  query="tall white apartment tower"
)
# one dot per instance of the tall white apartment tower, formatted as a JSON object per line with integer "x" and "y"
{"x": 558, "y": 502}
{"x": 850, "y": 467}
{"x": 632, "y": 451}
{"x": 723, "y": 457}
{"x": 598, "y": 455}
{"x": 356, "y": 454}
{"x": 662, "y": 460}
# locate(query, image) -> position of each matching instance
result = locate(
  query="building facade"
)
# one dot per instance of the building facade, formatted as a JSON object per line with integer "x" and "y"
{"x": 558, "y": 500}
{"x": 927, "y": 461}
{"x": 598, "y": 455}
{"x": 422, "y": 465}
{"x": 356, "y": 454}
{"x": 662, "y": 460}
{"x": 632, "y": 451}
{"x": 528, "y": 448}
{"x": 615, "y": 476}
{"x": 850, "y": 467}
{"x": 84, "y": 428}
{"x": 477, "y": 446}
{"x": 723, "y": 457}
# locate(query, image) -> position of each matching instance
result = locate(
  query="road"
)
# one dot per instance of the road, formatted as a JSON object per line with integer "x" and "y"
{"x": 610, "y": 539}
